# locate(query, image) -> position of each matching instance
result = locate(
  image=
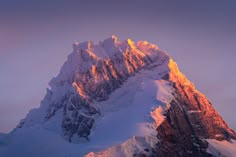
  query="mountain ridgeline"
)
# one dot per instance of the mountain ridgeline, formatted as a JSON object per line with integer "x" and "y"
{"x": 79, "y": 100}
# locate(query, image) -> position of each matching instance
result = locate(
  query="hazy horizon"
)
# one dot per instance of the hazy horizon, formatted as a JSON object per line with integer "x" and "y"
{"x": 37, "y": 36}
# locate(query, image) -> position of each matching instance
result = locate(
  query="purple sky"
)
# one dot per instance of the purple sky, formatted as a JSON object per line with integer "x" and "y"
{"x": 36, "y": 36}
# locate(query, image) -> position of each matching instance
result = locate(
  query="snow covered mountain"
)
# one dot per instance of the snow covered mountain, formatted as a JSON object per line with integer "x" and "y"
{"x": 118, "y": 99}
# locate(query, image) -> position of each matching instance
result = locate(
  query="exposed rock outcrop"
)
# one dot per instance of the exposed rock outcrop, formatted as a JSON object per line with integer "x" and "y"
{"x": 190, "y": 120}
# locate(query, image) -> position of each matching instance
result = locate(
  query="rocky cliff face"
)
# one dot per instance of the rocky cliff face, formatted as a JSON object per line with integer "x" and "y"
{"x": 93, "y": 72}
{"x": 190, "y": 119}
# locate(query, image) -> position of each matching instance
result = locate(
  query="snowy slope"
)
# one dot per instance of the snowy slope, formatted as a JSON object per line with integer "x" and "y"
{"x": 222, "y": 148}
{"x": 130, "y": 115}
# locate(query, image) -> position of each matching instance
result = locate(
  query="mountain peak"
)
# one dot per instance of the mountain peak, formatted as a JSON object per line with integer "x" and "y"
{"x": 120, "y": 98}
{"x": 114, "y": 37}
{"x": 82, "y": 46}
{"x": 112, "y": 46}
{"x": 87, "y": 55}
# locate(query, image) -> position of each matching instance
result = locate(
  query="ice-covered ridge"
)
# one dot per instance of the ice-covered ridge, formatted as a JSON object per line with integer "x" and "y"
{"x": 112, "y": 46}
{"x": 85, "y": 55}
